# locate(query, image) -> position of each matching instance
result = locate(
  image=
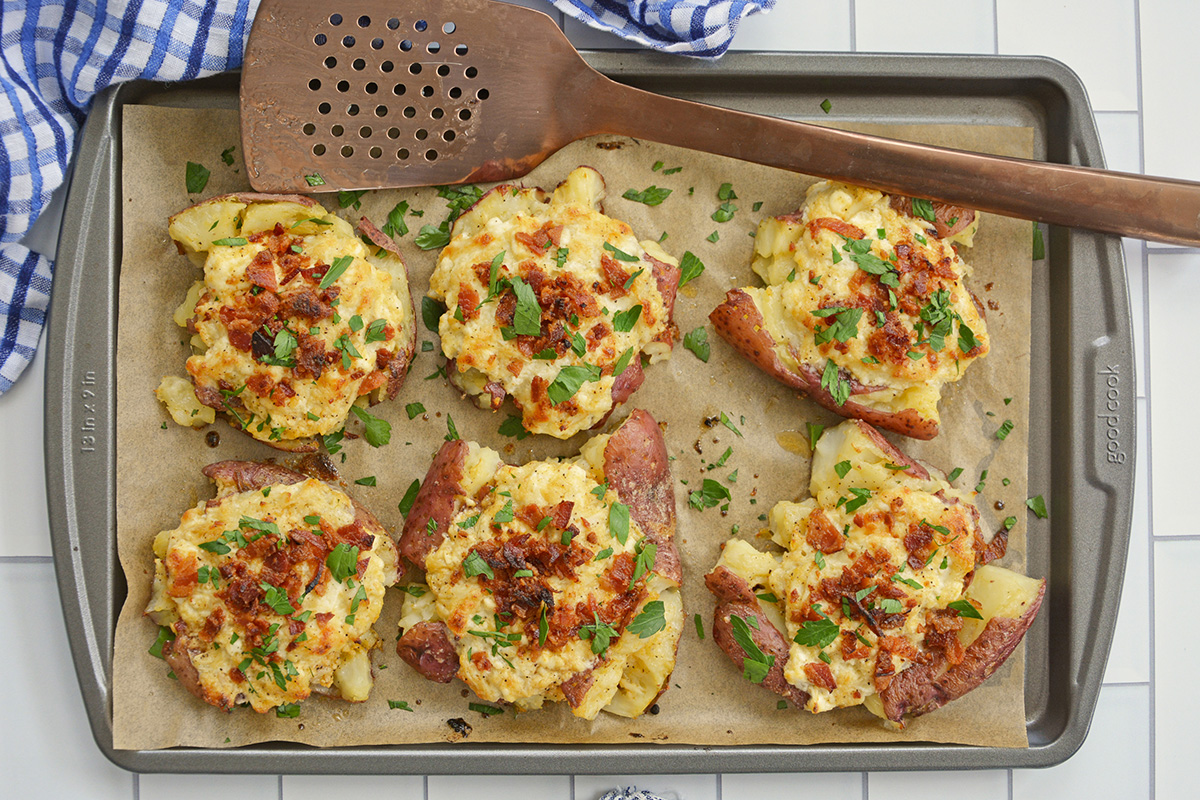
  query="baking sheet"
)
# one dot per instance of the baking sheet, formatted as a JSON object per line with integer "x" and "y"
{"x": 158, "y": 470}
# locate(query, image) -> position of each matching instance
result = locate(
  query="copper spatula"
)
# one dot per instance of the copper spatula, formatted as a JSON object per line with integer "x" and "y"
{"x": 375, "y": 94}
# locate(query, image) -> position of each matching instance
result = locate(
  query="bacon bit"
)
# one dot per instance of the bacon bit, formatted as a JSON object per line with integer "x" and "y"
{"x": 564, "y": 296}
{"x": 614, "y": 275}
{"x": 616, "y": 577}
{"x": 242, "y": 595}
{"x": 323, "y": 618}
{"x": 941, "y": 633}
{"x": 307, "y": 305}
{"x": 354, "y": 535}
{"x": 264, "y": 304}
{"x": 261, "y": 271}
{"x": 852, "y": 647}
{"x": 182, "y": 574}
{"x": 917, "y": 542}
{"x": 212, "y": 625}
{"x": 891, "y": 343}
{"x": 994, "y": 549}
{"x": 537, "y": 388}
{"x": 483, "y": 272}
{"x": 311, "y": 357}
{"x": 902, "y": 647}
{"x": 822, "y": 534}
{"x": 260, "y": 384}
{"x": 481, "y": 661}
{"x": 485, "y": 238}
{"x": 290, "y": 265}
{"x": 540, "y": 240}
{"x": 506, "y": 308}
{"x": 596, "y": 335}
{"x": 561, "y": 515}
{"x": 835, "y": 225}
{"x": 468, "y": 303}
{"x": 236, "y": 675}
{"x": 372, "y": 382}
{"x": 314, "y": 273}
{"x": 820, "y": 675}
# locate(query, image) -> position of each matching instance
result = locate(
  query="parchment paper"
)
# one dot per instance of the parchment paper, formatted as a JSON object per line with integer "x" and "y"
{"x": 158, "y": 467}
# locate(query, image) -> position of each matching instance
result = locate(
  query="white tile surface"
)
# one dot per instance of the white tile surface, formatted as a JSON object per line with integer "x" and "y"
{"x": 324, "y": 787}
{"x": 812, "y": 25}
{"x": 1174, "y": 282}
{"x": 24, "y": 526}
{"x": 1093, "y": 38}
{"x": 1129, "y": 659}
{"x": 1170, "y": 94}
{"x": 1176, "y": 701}
{"x": 1120, "y": 735}
{"x": 206, "y": 787}
{"x": 931, "y": 26}
{"x": 458, "y": 787}
{"x": 669, "y": 787}
{"x": 981, "y": 785}
{"x": 46, "y": 746}
{"x": 825, "y": 785}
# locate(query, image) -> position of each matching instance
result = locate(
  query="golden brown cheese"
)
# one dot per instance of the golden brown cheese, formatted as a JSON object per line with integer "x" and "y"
{"x": 872, "y": 562}
{"x": 548, "y": 588}
{"x": 295, "y": 319}
{"x": 271, "y": 594}
{"x": 855, "y": 282}
{"x": 552, "y": 303}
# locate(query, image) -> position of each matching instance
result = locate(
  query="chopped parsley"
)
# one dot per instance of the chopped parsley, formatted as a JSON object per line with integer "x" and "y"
{"x": 340, "y": 264}
{"x": 623, "y": 321}
{"x": 1038, "y": 506}
{"x": 342, "y": 561}
{"x": 709, "y": 495}
{"x": 402, "y": 705}
{"x": 1004, "y": 430}
{"x": 376, "y": 431}
{"x": 414, "y": 410}
{"x": 474, "y": 565}
{"x": 651, "y": 195}
{"x": 196, "y": 177}
{"x": 756, "y": 663}
{"x": 965, "y": 608}
{"x": 568, "y": 381}
{"x": 618, "y": 521}
{"x": 410, "y": 497}
{"x": 833, "y": 382}
{"x": 690, "y": 267}
{"x": 650, "y": 621}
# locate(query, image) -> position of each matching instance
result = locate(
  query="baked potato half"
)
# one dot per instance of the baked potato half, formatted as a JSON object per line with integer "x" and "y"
{"x": 865, "y": 310}
{"x": 297, "y": 319}
{"x": 549, "y": 581}
{"x": 553, "y": 304}
{"x": 881, "y": 596}
{"x": 268, "y": 592}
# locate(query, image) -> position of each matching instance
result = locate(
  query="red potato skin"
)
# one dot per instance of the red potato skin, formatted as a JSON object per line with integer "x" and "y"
{"x": 736, "y": 598}
{"x": 915, "y": 468}
{"x": 636, "y": 466}
{"x": 740, "y": 323}
{"x": 398, "y": 366}
{"x": 439, "y": 498}
{"x": 426, "y": 647}
{"x": 924, "y": 687}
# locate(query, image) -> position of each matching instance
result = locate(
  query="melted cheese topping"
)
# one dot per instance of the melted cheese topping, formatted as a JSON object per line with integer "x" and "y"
{"x": 221, "y": 584}
{"x": 282, "y": 356}
{"x": 899, "y": 352}
{"x": 557, "y": 245}
{"x": 872, "y": 539}
{"x": 520, "y": 636}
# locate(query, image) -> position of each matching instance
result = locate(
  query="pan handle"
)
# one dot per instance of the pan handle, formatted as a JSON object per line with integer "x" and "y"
{"x": 1157, "y": 209}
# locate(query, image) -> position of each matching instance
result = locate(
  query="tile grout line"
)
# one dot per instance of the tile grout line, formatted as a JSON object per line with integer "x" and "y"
{"x": 1125, "y": 683}
{"x": 720, "y": 785}
{"x": 572, "y": 787}
{"x": 280, "y": 778}
{"x": 1141, "y": 107}
{"x": 1010, "y": 783}
{"x": 996, "y": 46}
{"x": 137, "y": 789}
{"x": 853, "y": 28}
{"x": 866, "y": 786}
{"x": 1167, "y": 537}
{"x": 26, "y": 559}
{"x": 425, "y": 786}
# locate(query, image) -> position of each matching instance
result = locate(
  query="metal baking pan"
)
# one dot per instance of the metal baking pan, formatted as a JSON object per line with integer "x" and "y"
{"x": 1081, "y": 456}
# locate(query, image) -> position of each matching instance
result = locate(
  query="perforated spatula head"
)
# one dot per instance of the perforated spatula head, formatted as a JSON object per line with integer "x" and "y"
{"x": 372, "y": 94}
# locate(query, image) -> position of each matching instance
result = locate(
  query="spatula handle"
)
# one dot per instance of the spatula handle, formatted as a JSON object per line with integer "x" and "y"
{"x": 1158, "y": 209}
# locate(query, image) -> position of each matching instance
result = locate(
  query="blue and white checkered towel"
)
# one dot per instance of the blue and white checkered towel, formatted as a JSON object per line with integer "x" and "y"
{"x": 55, "y": 55}
{"x": 690, "y": 27}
